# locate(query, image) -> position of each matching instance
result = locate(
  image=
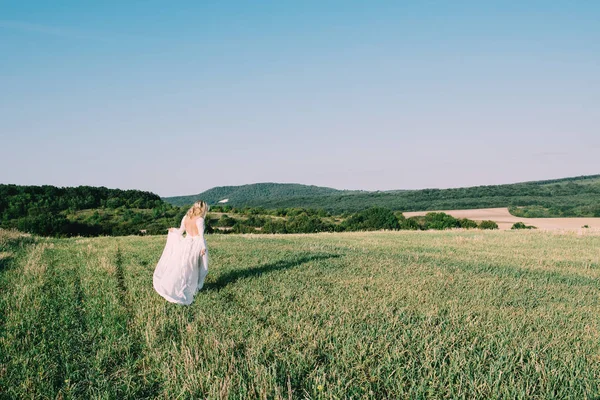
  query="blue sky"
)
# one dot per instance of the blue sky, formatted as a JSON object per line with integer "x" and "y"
{"x": 179, "y": 97}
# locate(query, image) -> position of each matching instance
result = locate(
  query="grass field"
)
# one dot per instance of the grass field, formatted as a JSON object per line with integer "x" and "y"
{"x": 467, "y": 314}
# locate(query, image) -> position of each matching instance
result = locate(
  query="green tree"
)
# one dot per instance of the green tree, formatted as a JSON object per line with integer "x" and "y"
{"x": 440, "y": 221}
{"x": 374, "y": 218}
{"x": 488, "y": 225}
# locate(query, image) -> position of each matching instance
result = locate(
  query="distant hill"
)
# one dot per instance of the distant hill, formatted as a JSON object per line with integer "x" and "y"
{"x": 566, "y": 197}
{"x": 257, "y": 193}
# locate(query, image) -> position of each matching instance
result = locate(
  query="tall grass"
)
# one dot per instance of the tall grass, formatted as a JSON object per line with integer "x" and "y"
{"x": 352, "y": 315}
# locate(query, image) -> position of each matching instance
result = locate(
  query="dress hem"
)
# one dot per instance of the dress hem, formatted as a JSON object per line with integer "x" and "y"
{"x": 172, "y": 300}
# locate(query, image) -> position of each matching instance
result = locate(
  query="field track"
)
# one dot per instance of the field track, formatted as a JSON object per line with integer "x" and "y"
{"x": 505, "y": 220}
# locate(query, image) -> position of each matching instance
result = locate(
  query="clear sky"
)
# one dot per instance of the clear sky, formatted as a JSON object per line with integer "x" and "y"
{"x": 181, "y": 96}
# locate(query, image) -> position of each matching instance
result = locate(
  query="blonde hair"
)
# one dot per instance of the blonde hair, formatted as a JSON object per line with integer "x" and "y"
{"x": 200, "y": 208}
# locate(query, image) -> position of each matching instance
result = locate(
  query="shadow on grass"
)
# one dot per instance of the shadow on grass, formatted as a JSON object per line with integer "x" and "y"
{"x": 234, "y": 276}
{"x": 5, "y": 261}
{"x": 120, "y": 275}
{"x": 12, "y": 248}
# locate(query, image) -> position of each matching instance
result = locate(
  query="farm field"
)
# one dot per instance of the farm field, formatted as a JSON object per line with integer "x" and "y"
{"x": 450, "y": 314}
{"x": 505, "y": 219}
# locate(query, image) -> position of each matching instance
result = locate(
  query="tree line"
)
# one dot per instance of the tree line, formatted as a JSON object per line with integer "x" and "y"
{"x": 570, "y": 197}
{"x": 55, "y": 211}
{"x": 94, "y": 211}
{"x": 309, "y": 221}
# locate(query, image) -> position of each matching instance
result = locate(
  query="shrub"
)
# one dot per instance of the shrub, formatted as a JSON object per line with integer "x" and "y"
{"x": 225, "y": 221}
{"x": 521, "y": 225}
{"x": 114, "y": 202}
{"x": 412, "y": 224}
{"x": 467, "y": 223}
{"x": 274, "y": 227}
{"x": 488, "y": 225}
{"x": 45, "y": 225}
{"x": 240, "y": 227}
{"x": 307, "y": 224}
{"x": 323, "y": 213}
{"x": 292, "y": 212}
{"x": 338, "y": 228}
{"x": 440, "y": 221}
{"x": 374, "y": 218}
{"x": 209, "y": 224}
{"x": 255, "y": 221}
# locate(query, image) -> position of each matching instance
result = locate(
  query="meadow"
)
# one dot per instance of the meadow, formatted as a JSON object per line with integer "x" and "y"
{"x": 435, "y": 314}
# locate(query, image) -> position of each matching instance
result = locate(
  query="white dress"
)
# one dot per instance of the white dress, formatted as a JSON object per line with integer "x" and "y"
{"x": 181, "y": 270}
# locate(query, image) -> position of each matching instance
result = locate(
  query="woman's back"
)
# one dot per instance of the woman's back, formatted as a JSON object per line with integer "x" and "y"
{"x": 181, "y": 270}
{"x": 191, "y": 226}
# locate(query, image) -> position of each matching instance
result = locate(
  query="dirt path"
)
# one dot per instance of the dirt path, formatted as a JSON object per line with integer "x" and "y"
{"x": 505, "y": 220}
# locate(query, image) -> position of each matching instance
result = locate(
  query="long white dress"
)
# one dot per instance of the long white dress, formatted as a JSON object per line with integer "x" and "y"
{"x": 181, "y": 270}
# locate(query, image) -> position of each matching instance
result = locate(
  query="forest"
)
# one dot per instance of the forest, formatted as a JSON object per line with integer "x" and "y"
{"x": 568, "y": 197}
{"x": 248, "y": 194}
{"x": 84, "y": 210}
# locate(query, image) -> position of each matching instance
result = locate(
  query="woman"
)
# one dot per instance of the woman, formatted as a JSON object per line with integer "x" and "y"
{"x": 183, "y": 265}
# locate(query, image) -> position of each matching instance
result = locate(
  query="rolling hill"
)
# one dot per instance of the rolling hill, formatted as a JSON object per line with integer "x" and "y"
{"x": 257, "y": 193}
{"x": 567, "y": 197}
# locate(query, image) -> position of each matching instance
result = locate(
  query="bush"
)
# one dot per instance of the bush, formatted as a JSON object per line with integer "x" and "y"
{"x": 293, "y": 212}
{"x": 254, "y": 221}
{"x": 115, "y": 202}
{"x": 521, "y": 225}
{"x": 209, "y": 224}
{"x": 307, "y": 224}
{"x": 253, "y": 211}
{"x": 240, "y": 227}
{"x": 274, "y": 226}
{"x": 488, "y": 225}
{"x": 412, "y": 224}
{"x": 440, "y": 221}
{"x": 323, "y": 213}
{"x": 338, "y": 228}
{"x": 225, "y": 221}
{"x": 467, "y": 223}
{"x": 374, "y": 218}
{"x": 44, "y": 225}
{"x": 220, "y": 208}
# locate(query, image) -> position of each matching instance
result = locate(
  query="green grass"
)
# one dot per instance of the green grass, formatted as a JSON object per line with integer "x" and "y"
{"x": 352, "y": 315}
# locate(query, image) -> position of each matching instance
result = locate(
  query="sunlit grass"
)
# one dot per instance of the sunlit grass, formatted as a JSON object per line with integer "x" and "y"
{"x": 354, "y": 315}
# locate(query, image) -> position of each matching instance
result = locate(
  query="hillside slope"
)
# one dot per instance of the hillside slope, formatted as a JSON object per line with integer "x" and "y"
{"x": 256, "y": 193}
{"x": 568, "y": 197}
